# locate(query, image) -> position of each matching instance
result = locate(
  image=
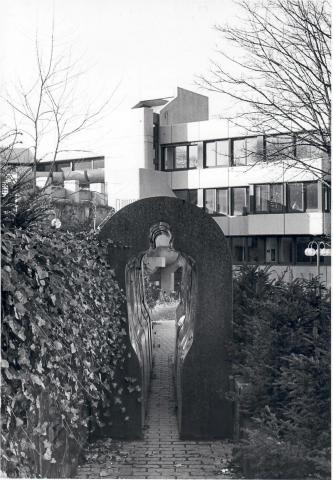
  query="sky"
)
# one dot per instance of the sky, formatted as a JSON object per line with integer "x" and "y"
{"x": 127, "y": 51}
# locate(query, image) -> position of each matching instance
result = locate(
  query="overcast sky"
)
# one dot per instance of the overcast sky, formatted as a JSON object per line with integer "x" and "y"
{"x": 143, "y": 48}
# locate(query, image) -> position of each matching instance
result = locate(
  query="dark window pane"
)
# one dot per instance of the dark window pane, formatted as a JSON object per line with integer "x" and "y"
{"x": 286, "y": 250}
{"x": 222, "y": 153}
{"x": 210, "y": 200}
{"x": 238, "y": 249}
{"x": 256, "y": 250}
{"x": 251, "y": 150}
{"x": 62, "y": 165}
{"x": 210, "y": 154}
{"x": 295, "y": 197}
{"x": 262, "y": 198}
{"x": 183, "y": 194}
{"x": 168, "y": 158}
{"x": 239, "y": 150}
{"x": 222, "y": 201}
{"x": 43, "y": 167}
{"x": 279, "y": 147}
{"x": 193, "y": 196}
{"x": 276, "y": 197}
{"x": 193, "y": 156}
{"x": 82, "y": 165}
{"x": 239, "y": 200}
{"x": 305, "y": 147}
{"x": 311, "y": 195}
{"x": 98, "y": 163}
{"x": 181, "y": 157}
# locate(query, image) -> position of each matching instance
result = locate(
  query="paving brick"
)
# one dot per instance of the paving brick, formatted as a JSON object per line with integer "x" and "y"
{"x": 161, "y": 454}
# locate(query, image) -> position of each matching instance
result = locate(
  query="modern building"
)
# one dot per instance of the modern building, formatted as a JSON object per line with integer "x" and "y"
{"x": 268, "y": 207}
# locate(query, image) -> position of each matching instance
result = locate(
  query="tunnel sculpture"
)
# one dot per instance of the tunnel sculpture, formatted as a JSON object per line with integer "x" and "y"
{"x": 204, "y": 316}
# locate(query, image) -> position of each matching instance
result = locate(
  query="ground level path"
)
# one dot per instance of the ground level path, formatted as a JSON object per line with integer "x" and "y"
{"x": 161, "y": 454}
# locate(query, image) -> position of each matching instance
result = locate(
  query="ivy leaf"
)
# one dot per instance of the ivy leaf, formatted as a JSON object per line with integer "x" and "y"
{"x": 19, "y": 422}
{"x": 19, "y": 332}
{"x": 4, "y": 363}
{"x": 58, "y": 345}
{"x": 37, "y": 380}
{"x": 41, "y": 273}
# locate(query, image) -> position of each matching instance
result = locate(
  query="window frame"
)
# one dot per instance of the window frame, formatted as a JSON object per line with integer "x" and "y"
{"x": 187, "y": 190}
{"x": 215, "y": 213}
{"x": 305, "y": 208}
{"x": 232, "y": 159}
{"x": 173, "y": 147}
{"x": 232, "y": 201}
{"x": 269, "y": 209}
{"x": 228, "y": 140}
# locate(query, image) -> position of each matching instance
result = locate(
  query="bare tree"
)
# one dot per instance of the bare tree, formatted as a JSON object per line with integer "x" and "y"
{"x": 47, "y": 115}
{"x": 280, "y": 76}
{"x": 48, "y": 112}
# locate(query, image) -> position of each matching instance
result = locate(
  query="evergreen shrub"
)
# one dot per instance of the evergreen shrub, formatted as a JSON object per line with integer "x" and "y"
{"x": 281, "y": 348}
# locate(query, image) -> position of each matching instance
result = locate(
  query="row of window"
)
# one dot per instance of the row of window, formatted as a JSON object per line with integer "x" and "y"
{"x": 268, "y": 198}
{"x": 235, "y": 152}
{"x": 82, "y": 164}
{"x": 275, "y": 250}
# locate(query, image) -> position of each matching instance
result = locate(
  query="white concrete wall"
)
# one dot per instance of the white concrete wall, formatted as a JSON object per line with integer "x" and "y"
{"x": 274, "y": 224}
{"x": 154, "y": 183}
{"x": 242, "y": 176}
{"x": 186, "y": 107}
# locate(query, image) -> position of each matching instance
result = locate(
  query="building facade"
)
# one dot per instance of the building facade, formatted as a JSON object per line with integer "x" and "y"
{"x": 267, "y": 206}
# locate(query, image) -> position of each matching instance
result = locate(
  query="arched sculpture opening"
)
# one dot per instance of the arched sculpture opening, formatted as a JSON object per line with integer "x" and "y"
{"x": 170, "y": 233}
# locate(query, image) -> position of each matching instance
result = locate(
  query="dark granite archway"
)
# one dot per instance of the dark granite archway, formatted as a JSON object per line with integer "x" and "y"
{"x": 202, "y": 374}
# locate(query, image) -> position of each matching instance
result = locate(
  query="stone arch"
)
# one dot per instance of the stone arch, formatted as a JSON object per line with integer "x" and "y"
{"x": 202, "y": 374}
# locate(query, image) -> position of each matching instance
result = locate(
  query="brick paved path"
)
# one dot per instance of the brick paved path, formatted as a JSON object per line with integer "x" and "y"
{"x": 160, "y": 454}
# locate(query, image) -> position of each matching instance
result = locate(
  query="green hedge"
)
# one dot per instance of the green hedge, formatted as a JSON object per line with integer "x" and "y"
{"x": 282, "y": 348}
{"x": 62, "y": 341}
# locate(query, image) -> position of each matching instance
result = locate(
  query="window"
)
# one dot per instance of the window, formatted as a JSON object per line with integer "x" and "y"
{"x": 193, "y": 156}
{"x": 238, "y": 249}
{"x": 43, "y": 167}
{"x": 295, "y": 197}
{"x": 190, "y": 196}
{"x": 276, "y": 198}
{"x": 180, "y": 157}
{"x": 168, "y": 158}
{"x": 286, "y": 250}
{"x": 61, "y": 166}
{"x": 217, "y": 200}
{"x": 302, "y": 197}
{"x": 256, "y": 249}
{"x": 209, "y": 195}
{"x": 244, "y": 151}
{"x": 269, "y": 198}
{"x": 222, "y": 201}
{"x": 239, "y": 200}
{"x": 217, "y": 153}
{"x": 280, "y": 146}
{"x": 305, "y": 147}
{"x": 311, "y": 195}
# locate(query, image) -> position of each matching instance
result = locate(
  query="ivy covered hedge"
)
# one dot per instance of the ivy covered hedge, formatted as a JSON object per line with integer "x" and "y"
{"x": 282, "y": 350}
{"x": 62, "y": 342}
